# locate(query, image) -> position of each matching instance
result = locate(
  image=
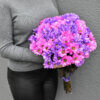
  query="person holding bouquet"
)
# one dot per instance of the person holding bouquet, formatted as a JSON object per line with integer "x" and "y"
{"x": 27, "y": 78}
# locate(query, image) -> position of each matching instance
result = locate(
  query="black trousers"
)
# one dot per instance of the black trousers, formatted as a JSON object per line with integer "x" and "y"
{"x": 39, "y": 84}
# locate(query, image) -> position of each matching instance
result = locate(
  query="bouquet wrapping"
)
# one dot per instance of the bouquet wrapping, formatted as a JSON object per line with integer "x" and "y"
{"x": 64, "y": 42}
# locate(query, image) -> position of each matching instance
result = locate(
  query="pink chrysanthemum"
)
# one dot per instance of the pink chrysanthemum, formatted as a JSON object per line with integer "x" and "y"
{"x": 74, "y": 47}
{"x": 62, "y": 52}
{"x": 32, "y": 46}
{"x": 66, "y": 60}
{"x": 77, "y": 58}
{"x": 41, "y": 43}
{"x": 38, "y": 51}
{"x": 81, "y": 26}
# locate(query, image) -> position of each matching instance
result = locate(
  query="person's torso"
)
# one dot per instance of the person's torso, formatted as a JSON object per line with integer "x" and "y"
{"x": 26, "y": 15}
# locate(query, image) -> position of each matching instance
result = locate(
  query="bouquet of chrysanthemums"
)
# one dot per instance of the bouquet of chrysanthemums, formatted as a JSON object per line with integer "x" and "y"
{"x": 64, "y": 42}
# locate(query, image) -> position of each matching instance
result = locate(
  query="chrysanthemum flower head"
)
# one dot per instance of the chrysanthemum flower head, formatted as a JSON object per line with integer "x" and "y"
{"x": 66, "y": 60}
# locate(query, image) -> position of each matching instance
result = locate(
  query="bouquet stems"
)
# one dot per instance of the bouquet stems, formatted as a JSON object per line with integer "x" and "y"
{"x": 66, "y": 73}
{"x": 67, "y": 86}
